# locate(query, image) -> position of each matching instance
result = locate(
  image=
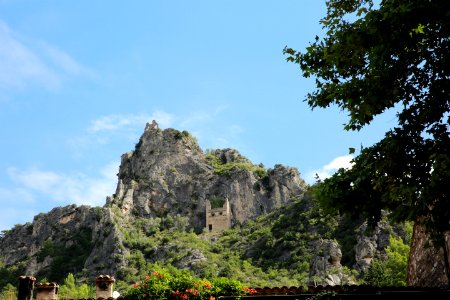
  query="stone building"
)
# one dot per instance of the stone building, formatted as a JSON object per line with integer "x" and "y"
{"x": 218, "y": 219}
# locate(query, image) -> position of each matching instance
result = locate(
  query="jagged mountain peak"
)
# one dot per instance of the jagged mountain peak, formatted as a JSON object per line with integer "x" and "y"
{"x": 169, "y": 174}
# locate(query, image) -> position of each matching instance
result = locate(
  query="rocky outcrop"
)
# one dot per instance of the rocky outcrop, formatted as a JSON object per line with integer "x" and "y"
{"x": 64, "y": 231}
{"x": 168, "y": 174}
{"x": 326, "y": 266}
{"x": 372, "y": 242}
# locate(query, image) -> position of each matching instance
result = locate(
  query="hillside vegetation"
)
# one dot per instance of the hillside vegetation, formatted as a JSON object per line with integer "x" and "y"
{"x": 156, "y": 219}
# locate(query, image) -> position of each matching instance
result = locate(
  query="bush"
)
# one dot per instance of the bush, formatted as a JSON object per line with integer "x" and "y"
{"x": 179, "y": 284}
{"x": 391, "y": 272}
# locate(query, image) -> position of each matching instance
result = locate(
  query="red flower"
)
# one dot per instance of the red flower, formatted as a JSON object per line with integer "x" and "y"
{"x": 147, "y": 277}
{"x": 157, "y": 274}
{"x": 184, "y": 296}
{"x": 249, "y": 290}
{"x": 212, "y": 298}
{"x": 135, "y": 285}
{"x": 192, "y": 291}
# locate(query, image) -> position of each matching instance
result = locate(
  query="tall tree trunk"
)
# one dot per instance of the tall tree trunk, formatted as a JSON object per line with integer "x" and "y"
{"x": 428, "y": 264}
{"x": 445, "y": 246}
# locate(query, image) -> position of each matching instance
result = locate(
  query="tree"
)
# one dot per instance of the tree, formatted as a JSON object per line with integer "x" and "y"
{"x": 392, "y": 271}
{"x": 375, "y": 56}
{"x": 71, "y": 290}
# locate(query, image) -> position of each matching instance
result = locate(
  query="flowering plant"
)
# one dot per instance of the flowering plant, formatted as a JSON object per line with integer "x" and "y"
{"x": 183, "y": 286}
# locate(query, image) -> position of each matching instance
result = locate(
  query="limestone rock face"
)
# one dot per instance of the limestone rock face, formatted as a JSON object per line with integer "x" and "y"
{"x": 168, "y": 174}
{"x": 326, "y": 263}
{"x": 371, "y": 244}
{"x": 64, "y": 228}
{"x": 365, "y": 249}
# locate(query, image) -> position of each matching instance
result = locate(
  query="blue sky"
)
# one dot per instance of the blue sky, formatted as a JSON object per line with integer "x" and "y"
{"x": 79, "y": 80}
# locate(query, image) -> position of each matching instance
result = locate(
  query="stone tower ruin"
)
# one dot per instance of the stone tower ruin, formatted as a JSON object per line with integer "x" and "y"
{"x": 218, "y": 219}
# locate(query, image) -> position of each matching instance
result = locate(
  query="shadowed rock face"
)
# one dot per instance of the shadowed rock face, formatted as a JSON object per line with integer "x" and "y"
{"x": 169, "y": 174}
{"x": 426, "y": 265}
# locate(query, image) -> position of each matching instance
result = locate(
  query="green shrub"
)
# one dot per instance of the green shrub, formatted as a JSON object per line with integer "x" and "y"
{"x": 178, "y": 284}
{"x": 70, "y": 289}
{"x": 390, "y": 272}
{"x": 217, "y": 202}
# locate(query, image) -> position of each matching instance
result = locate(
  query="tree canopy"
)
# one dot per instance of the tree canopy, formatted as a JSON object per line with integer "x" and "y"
{"x": 376, "y": 56}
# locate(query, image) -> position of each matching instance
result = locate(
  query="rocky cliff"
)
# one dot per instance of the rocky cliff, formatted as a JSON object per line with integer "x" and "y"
{"x": 166, "y": 175}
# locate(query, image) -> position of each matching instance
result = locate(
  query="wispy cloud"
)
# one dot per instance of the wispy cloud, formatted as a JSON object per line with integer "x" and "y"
{"x": 330, "y": 168}
{"x": 65, "y": 62}
{"x": 26, "y": 62}
{"x": 20, "y": 65}
{"x": 34, "y": 190}
{"x": 67, "y": 188}
{"x": 210, "y": 126}
{"x": 115, "y": 128}
{"x": 118, "y": 122}
{"x": 206, "y": 125}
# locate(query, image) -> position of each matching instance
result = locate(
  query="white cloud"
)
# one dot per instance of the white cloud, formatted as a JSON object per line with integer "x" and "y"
{"x": 25, "y": 62}
{"x": 68, "y": 188}
{"x": 35, "y": 179}
{"x": 116, "y": 127}
{"x": 162, "y": 118}
{"x": 65, "y": 62}
{"x": 330, "y": 168}
{"x": 20, "y": 65}
{"x": 206, "y": 125}
{"x": 339, "y": 162}
{"x": 131, "y": 121}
